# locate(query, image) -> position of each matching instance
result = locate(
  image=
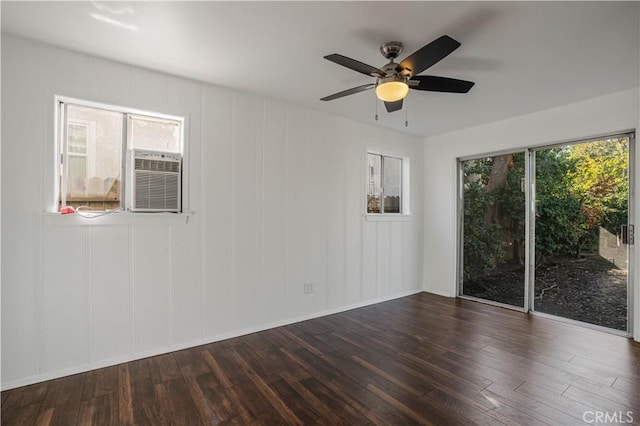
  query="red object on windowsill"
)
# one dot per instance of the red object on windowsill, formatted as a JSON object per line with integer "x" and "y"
{"x": 67, "y": 210}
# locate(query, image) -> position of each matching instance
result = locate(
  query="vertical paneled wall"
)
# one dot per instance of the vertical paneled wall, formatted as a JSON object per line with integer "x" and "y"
{"x": 277, "y": 195}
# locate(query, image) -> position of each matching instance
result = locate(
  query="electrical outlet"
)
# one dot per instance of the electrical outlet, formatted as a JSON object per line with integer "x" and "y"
{"x": 308, "y": 288}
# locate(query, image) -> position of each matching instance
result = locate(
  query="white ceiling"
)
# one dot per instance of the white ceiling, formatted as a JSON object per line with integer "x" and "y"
{"x": 523, "y": 56}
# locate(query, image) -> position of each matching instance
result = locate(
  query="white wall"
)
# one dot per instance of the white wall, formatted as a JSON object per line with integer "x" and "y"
{"x": 610, "y": 114}
{"x": 278, "y": 198}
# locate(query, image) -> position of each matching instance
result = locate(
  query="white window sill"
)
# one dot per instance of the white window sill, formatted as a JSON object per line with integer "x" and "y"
{"x": 388, "y": 217}
{"x": 117, "y": 218}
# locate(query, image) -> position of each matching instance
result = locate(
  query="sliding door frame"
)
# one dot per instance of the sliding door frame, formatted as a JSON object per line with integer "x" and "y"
{"x": 530, "y": 211}
{"x": 631, "y": 170}
{"x": 460, "y": 229}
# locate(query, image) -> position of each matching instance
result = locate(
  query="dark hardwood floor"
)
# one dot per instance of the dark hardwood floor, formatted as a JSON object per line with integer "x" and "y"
{"x": 422, "y": 359}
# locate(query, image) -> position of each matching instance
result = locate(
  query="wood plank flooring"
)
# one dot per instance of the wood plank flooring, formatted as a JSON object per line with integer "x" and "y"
{"x": 421, "y": 359}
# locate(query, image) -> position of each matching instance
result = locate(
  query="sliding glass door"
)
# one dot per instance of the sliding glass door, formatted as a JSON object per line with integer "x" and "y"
{"x": 493, "y": 211}
{"x": 581, "y": 213}
{"x": 547, "y": 230}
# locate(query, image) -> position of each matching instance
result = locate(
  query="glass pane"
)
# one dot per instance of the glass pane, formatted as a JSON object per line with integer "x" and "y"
{"x": 374, "y": 189}
{"x": 493, "y": 258}
{"x": 582, "y": 193}
{"x": 94, "y": 144}
{"x": 77, "y": 137}
{"x": 392, "y": 187}
{"x": 155, "y": 134}
{"x": 77, "y": 166}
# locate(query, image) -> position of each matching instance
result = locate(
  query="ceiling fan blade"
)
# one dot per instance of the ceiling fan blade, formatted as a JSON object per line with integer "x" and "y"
{"x": 393, "y": 106}
{"x": 428, "y": 55}
{"x": 349, "y": 92}
{"x": 355, "y": 65}
{"x": 440, "y": 84}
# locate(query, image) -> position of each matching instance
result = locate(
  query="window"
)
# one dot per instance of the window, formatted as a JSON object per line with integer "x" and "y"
{"x": 94, "y": 144}
{"x": 385, "y": 179}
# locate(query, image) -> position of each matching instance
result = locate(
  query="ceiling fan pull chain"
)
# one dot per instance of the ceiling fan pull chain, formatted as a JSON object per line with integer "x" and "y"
{"x": 376, "y": 101}
{"x": 406, "y": 120}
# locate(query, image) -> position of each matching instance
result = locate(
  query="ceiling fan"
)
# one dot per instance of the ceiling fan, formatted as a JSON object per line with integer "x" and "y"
{"x": 394, "y": 80}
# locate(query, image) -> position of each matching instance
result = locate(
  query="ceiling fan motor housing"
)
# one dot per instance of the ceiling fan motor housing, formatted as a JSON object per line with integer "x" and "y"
{"x": 389, "y": 69}
{"x": 391, "y": 75}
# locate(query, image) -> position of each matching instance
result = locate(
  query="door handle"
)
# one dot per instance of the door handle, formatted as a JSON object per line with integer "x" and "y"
{"x": 627, "y": 234}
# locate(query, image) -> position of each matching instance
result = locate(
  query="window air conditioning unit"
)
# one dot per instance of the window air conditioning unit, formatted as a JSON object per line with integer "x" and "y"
{"x": 156, "y": 180}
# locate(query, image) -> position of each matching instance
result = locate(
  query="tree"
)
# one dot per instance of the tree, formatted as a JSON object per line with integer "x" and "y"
{"x": 494, "y": 213}
{"x": 510, "y": 201}
{"x": 579, "y": 188}
{"x": 482, "y": 248}
{"x": 601, "y": 179}
{"x": 559, "y": 216}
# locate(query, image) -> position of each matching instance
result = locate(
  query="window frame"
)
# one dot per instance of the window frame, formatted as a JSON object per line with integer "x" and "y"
{"x": 404, "y": 205}
{"x": 61, "y": 149}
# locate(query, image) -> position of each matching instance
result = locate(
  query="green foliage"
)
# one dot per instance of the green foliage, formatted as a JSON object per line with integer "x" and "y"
{"x": 579, "y": 188}
{"x": 559, "y": 218}
{"x": 559, "y": 228}
{"x": 601, "y": 179}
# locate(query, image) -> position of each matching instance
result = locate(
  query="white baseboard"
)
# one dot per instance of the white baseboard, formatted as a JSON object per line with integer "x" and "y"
{"x": 438, "y": 293}
{"x": 211, "y": 339}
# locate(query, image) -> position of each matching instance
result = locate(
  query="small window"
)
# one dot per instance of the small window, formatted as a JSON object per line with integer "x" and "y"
{"x": 384, "y": 190}
{"x": 92, "y": 143}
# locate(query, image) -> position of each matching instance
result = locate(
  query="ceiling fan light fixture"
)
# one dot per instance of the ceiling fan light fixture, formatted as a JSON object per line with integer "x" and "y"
{"x": 392, "y": 90}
